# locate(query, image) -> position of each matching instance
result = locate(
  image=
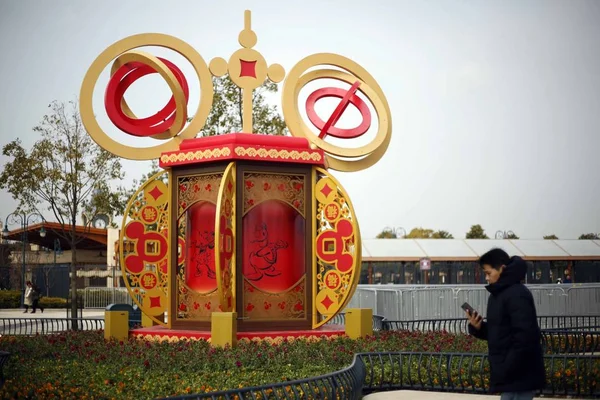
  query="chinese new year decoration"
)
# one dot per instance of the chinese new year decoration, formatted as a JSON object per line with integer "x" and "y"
{"x": 242, "y": 222}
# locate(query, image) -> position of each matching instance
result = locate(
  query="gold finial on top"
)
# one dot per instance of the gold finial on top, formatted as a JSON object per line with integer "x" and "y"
{"x": 247, "y": 37}
{"x": 248, "y": 69}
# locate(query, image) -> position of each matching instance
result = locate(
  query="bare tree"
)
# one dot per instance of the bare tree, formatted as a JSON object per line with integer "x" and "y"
{"x": 68, "y": 173}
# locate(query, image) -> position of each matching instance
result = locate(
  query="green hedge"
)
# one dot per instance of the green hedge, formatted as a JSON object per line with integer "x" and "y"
{"x": 53, "y": 302}
{"x": 12, "y": 299}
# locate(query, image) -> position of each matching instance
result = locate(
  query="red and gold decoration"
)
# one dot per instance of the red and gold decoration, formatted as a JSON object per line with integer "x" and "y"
{"x": 247, "y": 223}
{"x": 225, "y": 240}
{"x": 274, "y": 249}
{"x": 196, "y": 278}
{"x": 145, "y": 269}
{"x": 337, "y": 248}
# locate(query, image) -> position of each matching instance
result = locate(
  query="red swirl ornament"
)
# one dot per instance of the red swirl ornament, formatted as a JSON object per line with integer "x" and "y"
{"x": 347, "y": 97}
{"x": 121, "y": 80}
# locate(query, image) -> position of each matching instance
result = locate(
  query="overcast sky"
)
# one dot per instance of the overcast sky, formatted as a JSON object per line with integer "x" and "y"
{"x": 495, "y": 104}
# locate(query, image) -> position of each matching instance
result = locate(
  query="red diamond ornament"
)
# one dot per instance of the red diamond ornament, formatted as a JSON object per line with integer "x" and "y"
{"x": 155, "y": 193}
{"x": 247, "y": 68}
{"x": 327, "y": 302}
{"x": 326, "y": 190}
{"x": 155, "y": 302}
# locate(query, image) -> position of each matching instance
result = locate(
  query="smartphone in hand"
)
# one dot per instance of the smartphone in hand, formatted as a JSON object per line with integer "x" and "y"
{"x": 467, "y": 307}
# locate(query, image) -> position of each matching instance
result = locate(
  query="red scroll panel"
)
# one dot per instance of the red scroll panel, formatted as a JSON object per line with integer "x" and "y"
{"x": 273, "y": 246}
{"x": 200, "y": 273}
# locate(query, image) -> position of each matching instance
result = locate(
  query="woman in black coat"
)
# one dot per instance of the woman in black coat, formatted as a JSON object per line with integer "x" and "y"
{"x": 512, "y": 331}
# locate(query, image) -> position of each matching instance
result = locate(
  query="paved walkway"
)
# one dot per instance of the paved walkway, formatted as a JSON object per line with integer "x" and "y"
{"x": 418, "y": 395}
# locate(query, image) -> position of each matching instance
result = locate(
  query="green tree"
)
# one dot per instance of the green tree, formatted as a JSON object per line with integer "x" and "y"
{"x": 422, "y": 233}
{"x": 419, "y": 233}
{"x": 551, "y": 237}
{"x": 442, "y": 235}
{"x": 477, "y": 232}
{"x": 512, "y": 235}
{"x": 386, "y": 234}
{"x": 589, "y": 236}
{"x": 64, "y": 172}
{"x": 226, "y": 113}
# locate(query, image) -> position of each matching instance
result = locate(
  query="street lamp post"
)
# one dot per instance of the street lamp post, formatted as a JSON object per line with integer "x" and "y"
{"x": 57, "y": 250}
{"x": 24, "y": 219}
{"x": 399, "y": 232}
{"x": 504, "y": 234}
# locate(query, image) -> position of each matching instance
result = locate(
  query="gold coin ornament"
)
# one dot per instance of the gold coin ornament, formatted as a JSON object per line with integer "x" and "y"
{"x": 338, "y": 158}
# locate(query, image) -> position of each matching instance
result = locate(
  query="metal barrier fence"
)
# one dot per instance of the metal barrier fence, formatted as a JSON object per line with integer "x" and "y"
{"x": 42, "y": 326}
{"x": 441, "y": 372}
{"x": 469, "y": 373}
{"x": 344, "y": 384}
{"x": 101, "y": 297}
{"x": 572, "y": 341}
{"x": 340, "y": 319}
{"x": 46, "y": 326}
{"x": 417, "y": 302}
{"x": 459, "y": 325}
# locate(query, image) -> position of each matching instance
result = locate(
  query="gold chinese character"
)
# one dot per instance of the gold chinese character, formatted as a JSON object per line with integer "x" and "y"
{"x": 332, "y": 280}
{"x": 149, "y": 281}
{"x": 332, "y": 211}
{"x": 149, "y": 214}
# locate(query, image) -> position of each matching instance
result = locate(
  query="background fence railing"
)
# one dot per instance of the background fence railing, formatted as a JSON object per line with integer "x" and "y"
{"x": 469, "y": 373}
{"x": 417, "y": 302}
{"x": 42, "y": 326}
{"x": 572, "y": 341}
{"x": 45, "y": 326}
{"x": 441, "y": 372}
{"x": 460, "y": 325}
{"x": 101, "y": 297}
{"x": 344, "y": 384}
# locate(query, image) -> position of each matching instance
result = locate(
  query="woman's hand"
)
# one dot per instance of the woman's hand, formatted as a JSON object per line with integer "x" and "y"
{"x": 475, "y": 319}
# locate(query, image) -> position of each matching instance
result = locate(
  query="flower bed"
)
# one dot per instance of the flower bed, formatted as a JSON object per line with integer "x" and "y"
{"x": 82, "y": 365}
{"x": 575, "y": 341}
{"x": 565, "y": 375}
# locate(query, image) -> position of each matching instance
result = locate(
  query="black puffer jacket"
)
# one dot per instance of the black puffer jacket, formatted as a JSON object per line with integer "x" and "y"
{"x": 513, "y": 334}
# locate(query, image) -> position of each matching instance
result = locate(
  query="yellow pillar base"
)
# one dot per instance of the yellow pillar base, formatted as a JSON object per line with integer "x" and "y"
{"x": 223, "y": 329}
{"x": 148, "y": 322}
{"x": 116, "y": 325}
{"x": 359, "y": 322}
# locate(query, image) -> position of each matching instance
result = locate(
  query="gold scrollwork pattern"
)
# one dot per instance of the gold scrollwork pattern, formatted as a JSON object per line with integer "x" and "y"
{"x": 337, "y": 250}
{"x": 197, "y": 155}
{"x": 259, "y": 187}
{"x": 277, "y": 154}
{"x": 193, "y": 305}
{"x": 143, "y": 247}
{"x": 225, "y": 240}
{"x": 288, "y": 305}
{"x": 197, "y": 188}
